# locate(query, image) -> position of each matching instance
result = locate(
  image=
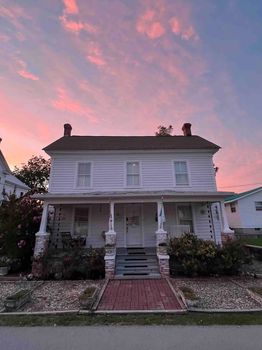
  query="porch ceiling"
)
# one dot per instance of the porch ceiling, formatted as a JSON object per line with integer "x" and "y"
{"x": 130, "y": 196}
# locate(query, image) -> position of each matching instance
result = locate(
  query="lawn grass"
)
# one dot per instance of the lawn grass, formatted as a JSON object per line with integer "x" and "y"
{"x": 135, "y": 320}
{"x": 253, "y": 241}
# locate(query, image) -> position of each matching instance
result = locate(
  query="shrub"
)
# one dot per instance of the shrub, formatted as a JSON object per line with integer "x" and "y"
{"x": 77, "y": 265}
{"x": 192, "y": 256}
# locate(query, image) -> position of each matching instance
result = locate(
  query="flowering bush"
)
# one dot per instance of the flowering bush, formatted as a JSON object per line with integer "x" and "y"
{"x": 19, "y": 221}
{"x": 192, "y": 256}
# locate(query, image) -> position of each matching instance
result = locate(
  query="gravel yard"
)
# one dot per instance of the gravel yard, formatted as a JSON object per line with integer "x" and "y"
{"x": 221, "y": 293}
{"x": 213, "y": 293}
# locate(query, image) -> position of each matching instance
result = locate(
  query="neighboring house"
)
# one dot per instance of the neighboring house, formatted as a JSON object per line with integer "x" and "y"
{"x": 244, "y": 211}
{"x": 9, "y": 184}
{"x": 131, "y": 192}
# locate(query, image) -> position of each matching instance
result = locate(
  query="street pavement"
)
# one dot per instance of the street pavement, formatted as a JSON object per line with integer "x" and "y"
{"x": 132, "y": 337}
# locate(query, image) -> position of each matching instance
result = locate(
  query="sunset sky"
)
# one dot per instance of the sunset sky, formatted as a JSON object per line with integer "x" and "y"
{"x": 123, "y": 67}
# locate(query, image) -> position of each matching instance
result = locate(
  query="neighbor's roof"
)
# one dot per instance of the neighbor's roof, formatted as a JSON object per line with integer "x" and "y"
{"x": 242, "y": 195}
{"x": 99, "y": 143}
{"x": 15, "y": 181}
{"x": 4, "y": 162}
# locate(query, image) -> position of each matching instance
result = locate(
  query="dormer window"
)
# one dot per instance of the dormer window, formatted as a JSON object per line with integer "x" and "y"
{"x": 133, "y": 174}
{"x": 181, "y": 173}
{"x": 84, "y": 175}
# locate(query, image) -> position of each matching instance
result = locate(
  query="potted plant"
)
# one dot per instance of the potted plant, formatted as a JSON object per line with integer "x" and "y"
{"x": 88, "y": 297}
{"x": 4, "y": 265}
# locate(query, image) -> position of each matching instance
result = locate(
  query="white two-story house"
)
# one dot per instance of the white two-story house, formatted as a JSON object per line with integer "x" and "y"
{"x": 132, "y": 192}
{"x": 9, "y": 184}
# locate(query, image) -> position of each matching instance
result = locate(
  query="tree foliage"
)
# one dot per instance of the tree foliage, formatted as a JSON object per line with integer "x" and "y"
{"x": 35, "y": 173}
{"x": 19, "y": 221}
{"x": 164, "y": 131}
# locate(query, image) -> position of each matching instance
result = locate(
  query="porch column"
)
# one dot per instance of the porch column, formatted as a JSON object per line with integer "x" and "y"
{"x": 161, "y": 240}
{"x": 226, "y": 232}
{"x": 41, "y": 245}
{"x": 110, "y": 246}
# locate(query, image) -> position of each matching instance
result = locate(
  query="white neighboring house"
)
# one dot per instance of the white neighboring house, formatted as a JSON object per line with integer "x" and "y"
{"x": 131, "y": 192}
{"x": 244, "y": 211}
{"x": 9, "y": 184}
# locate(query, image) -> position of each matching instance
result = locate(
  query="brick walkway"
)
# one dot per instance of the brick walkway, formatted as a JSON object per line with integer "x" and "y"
{"x": 147, "y": 294}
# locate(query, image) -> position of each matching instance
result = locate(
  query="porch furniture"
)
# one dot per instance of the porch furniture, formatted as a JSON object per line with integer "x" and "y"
{"x": 69, "y": 241}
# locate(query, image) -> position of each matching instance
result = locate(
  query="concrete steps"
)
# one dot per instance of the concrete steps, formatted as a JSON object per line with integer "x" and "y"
{"x": 136, "y": 263}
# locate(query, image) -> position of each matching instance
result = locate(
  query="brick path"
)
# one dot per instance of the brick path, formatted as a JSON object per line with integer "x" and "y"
{"x": 147, "y": 294}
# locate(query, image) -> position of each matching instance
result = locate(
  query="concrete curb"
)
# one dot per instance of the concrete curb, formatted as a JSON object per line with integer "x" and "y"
{"x": 125, "y": 312}
{"x": 39, "y": 313}
{"x": 94, "y": 307}
{"x": 223, "y": 311}
{"x": 178, "y": 295}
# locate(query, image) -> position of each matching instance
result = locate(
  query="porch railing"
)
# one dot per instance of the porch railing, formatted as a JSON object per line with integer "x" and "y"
{"x": 178, "y": 230}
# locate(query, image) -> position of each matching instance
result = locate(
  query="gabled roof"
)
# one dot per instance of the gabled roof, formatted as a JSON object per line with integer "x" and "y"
{"x": 242, "y": 195}
{"x": 100, "y": 143}
{"x": 4, "y": 162}
{"x": 15, "y": 181}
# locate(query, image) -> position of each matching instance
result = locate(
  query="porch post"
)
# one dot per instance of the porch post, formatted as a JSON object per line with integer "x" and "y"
{"x": 110, "y": 246}
{"x": 226, "y": 232}
{"x": 41, "y": 245}
{"x": 161, "y": 240}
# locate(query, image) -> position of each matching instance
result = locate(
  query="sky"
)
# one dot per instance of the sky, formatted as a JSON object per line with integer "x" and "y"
{"x": 123, "y": 67}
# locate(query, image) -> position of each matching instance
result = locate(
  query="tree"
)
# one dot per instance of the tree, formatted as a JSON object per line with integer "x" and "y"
{"x": 19, "y": 221}
{"x": 164, "y": 131}
{"x": 35, "y": 173}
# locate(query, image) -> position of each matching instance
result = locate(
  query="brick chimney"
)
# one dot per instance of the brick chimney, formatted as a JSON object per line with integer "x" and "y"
{"x": 187, "y": 129}
{"x": 67, "y": 130}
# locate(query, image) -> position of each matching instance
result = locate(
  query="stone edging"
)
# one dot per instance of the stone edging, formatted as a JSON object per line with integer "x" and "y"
{"x": 94, "y": 307}
{"x": 223, "y": 311}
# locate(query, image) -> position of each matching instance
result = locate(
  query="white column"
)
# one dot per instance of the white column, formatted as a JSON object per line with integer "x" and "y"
{"x": 225, "y": 226}
{"x": 43, "y": 225}
{"x": 112, "y": 217}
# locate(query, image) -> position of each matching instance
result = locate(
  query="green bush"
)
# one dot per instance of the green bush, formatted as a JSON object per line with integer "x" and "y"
{"x": 192, "y": 256}
{"x": 76, "y": 265}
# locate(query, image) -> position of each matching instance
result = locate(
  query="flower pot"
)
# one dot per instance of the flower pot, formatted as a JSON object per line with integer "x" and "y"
{"x": 86, "y": 302}
{"x": 4, "y": 270}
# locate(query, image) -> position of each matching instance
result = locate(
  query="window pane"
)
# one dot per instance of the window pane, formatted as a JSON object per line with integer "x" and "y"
{"x": 84, "y": 168}
{"x": 133, "y": 180}
{"x": 83, "y": 181}
{"x": 180, "y": 167}
{"x": 133, "y": 168}
{"x": 181, "y": 179}
{"x": 81, "y": 221}
{"x": 258, "y": 206}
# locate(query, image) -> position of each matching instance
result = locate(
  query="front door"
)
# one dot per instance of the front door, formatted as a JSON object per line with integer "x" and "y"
{"x": 133, "y": 225}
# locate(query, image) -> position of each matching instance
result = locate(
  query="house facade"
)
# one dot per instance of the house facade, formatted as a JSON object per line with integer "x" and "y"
{"x": 244, "y": 212}
{"x": 131, "y": 192}
{"x": 9, "y": 184}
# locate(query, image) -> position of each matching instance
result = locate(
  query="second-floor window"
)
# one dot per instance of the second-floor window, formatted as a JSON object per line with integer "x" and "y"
{"x": 132, "y": 174}
{"x": 181, "y": 173}
{"x": 83, "y": 175}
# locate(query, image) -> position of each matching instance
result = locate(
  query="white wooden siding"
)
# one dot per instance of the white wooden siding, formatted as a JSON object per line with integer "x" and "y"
{"x": 108, "y": 172}
{"x": 250, "y": 217}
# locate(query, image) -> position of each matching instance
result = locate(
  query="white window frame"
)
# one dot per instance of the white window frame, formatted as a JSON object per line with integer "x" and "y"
{"x": 140, "y": 177}
{"x": 188, "y": 172}
{"x": 91, "y": 175}
{"x": 192, "y": 212}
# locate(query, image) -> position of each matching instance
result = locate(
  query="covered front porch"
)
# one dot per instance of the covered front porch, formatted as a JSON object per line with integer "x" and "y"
{"x": 129, "y": 221}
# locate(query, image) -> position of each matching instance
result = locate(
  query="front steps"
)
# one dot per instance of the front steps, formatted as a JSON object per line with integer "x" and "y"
{"x": 136, "y": 263}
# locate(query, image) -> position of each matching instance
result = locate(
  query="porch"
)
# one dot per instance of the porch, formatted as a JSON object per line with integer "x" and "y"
{"x": 129, "y": 221}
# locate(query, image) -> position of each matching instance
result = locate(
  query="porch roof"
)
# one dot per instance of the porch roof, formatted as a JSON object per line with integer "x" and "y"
{"x": 141, "y": 196}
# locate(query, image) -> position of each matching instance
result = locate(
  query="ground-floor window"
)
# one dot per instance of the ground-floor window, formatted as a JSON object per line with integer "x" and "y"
{"x": 185, "y": 216}
{"x": 81, "y": 221}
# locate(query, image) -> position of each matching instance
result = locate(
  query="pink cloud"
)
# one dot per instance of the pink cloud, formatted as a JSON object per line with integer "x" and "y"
{"x": 181, "y": 29}
{"x": 71, "y": 7}
{"x": 149, "y": 26}
{"x": 94, "y": 55}
{"x": 64, "y": 102}
{"x": 27, "y": 75}
{"x": 76, "y": 26}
